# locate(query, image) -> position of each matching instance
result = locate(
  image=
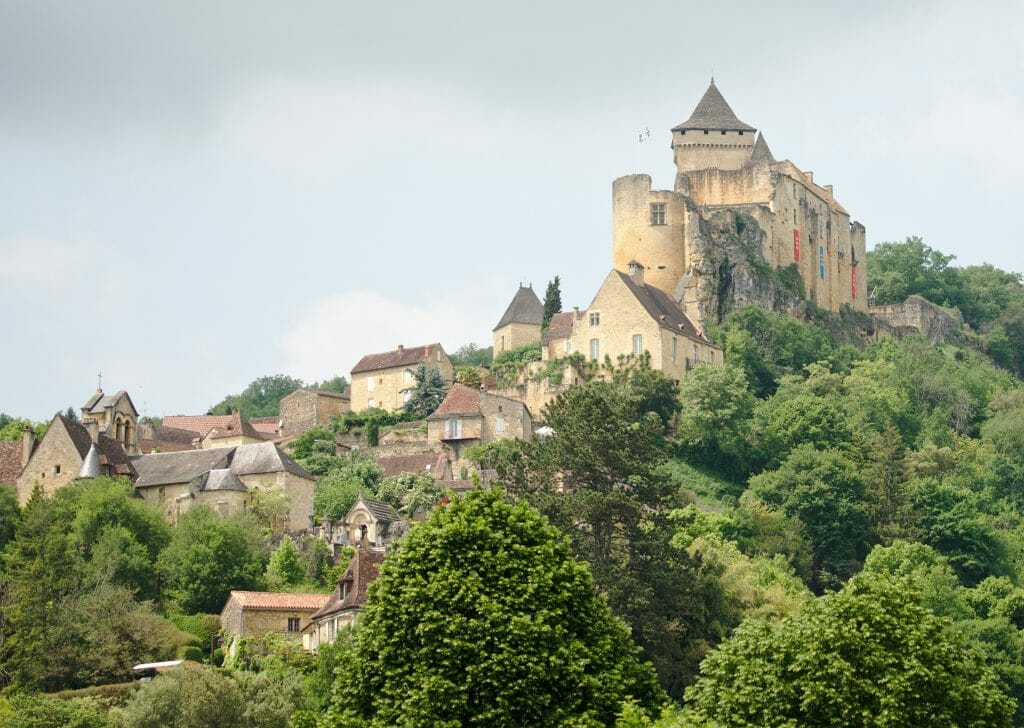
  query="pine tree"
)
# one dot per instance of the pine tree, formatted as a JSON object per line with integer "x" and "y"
{"x": 552, "y": 301}
{"x": 428, "y": 392}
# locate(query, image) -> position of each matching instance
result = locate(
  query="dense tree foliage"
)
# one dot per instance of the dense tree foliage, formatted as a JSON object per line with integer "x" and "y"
{"x": 471, "y": 355}
{"x": 448, "y": 636}
{"x": 427, "y": 392}
{"x": 260, "y": 399}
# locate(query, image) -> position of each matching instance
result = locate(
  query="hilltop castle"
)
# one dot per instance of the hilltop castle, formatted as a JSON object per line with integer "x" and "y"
{"x": 724, "y": 166}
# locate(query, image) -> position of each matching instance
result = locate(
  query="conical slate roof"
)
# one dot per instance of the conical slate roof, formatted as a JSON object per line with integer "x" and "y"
{"x": 761, "y": 150}
{"x": 91, "y": 464}
{"x": 713, "y": 112}
{"x": 525, "y": 308}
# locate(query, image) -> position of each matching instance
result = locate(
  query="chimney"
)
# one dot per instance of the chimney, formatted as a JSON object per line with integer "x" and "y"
{"x": 28, "y": 441}
{"x": 636, "y": 272}
{"x": 94, "y": 430}
{"x": 829, "y": 188}
{"x": 810, "y": 176}
{"x": 575, "y": 313}
{"x": 400, "y": 348}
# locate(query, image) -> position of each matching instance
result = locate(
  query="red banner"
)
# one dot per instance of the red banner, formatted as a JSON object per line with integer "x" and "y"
{"x": 796, "y": 245}
{"x": 853, "y": 286}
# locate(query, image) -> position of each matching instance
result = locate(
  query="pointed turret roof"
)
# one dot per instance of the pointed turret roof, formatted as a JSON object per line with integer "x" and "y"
{"x": 713, "y": 112}
{"x": 91, "y": 464}
{"x": 525, "y": 308}
{"x": 761, "y": 150}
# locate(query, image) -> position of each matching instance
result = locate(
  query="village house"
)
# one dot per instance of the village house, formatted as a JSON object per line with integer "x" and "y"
{"x": 248, "y": 614}
{"x": 521, "y": 322}
{"x": 386, "y": 380}
{"x": 630, "y": 317}
{"x": 346, "y": 602}
{"x": 469, "y": 416}
{"x": 158, "y": 438}
{"x": 68, "y": 451}
{"x": 236, "y": 431}
{"x": 423, "y": 463}
{"x": 115, "y": 416}
{"x": 305, "y": 409}
{"x": 556, "y": 343}
{"x": 226, "y": 480}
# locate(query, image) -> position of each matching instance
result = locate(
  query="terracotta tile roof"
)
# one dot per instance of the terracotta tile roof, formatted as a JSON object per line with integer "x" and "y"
{"x": 401, "y": 357}
{"x": 277, "y": 600}
{"x": 200, "y": 424}
{"x": 267, "y": 425}
{"x": 424, "y": 462}
{"x": 713, "y": 112}
{"x": 525, "y": 308}
{"x": 361, "y": 572}
{"x": 10, "y": 461}
{"x": 237, "y": 426}
{"x": 663, "y": 309}
{"x": 461, "y": 400}
{"x": 560, "y": 326}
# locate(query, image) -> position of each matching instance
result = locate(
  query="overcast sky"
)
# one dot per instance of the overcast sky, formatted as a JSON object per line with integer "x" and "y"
{"x": 194, "y": 194}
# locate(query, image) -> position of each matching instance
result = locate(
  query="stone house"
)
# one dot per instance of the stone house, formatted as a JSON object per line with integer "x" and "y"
{"x": 115, "y": 416}
{"x": 305, "y": 409}
{"x": 236, "y": 431}
{"x": 556, "y": 343}
{"x": 345, "y": 603}
{"x": 469, "y": 416}
{"x": 257, "y": 614}
{"x": 385, "y": 380}
{"x": 199, "y": 424}
{"x": 521, "y": 322}
{"x": 629, "y": 316}
{"x": 159, "y": 438}
{"x": 227, "y": 480}
{"x": 68, "y": 451}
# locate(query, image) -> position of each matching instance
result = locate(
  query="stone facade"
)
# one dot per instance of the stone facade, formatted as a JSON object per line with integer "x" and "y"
{"x": 521, "y": 323}
{"x": 257, "y": 614}
{"x": 305, "y": 409}
{"x": 468, "y": 416}
{"x": 384, "y": 380}
{"x": 623, "y": 320}
{"x": 512, "y": 336}
{"x": 722, "y": 167}
{"x": 115, "y": 416}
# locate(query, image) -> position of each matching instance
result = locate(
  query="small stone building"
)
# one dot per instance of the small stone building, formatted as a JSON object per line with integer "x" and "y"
{"x": 423, "y": 463}
{"x": 343, "y": 607}
{"x": 159, "y": 438}
{"x": 257, "y": 614}
{"x": 375, "y": 521}
{"x": 521, "y": 322}
{"x": 305, "y": 409}
{"x": 236, "y": 431}
{"x": 68, "y": 451}
{"x": 386, "y": 380}
{"x": 469, "y": 416}
{"x": 226, "y": 480}
{"x": 630, "y": 317}
{"x": 557, "y": 339}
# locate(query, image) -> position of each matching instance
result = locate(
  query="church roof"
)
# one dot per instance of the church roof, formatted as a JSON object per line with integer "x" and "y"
{"x": 761, "y": 150}
{"x": 713, "y": 112}
{"x": 111, "y": 453}
{"x": 525, "y": 308}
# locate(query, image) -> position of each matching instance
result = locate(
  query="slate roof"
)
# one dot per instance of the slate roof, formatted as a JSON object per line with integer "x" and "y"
{"x": 761, "y": 150}
{"x": 560, "y": 326}
{"x": 164, "y": 468}
{"x": 99, "y": 401}
{"x": 110, "y": 451}
{"x": 264, "y": 457}
{"x": 403, "y": 357}
{"x": 275, "y": 600}
{"x": 713, "y": 112}
{"x": 460, "y": 400}
{"x": 662, "y": 308}
{"x": 10, "y": 461}
{"x": 431, "y": 463}
{"x": 379, "y": 509}
{"x": 361, "y": 572}
{"x": 525, "y": 308}
{"x": 200, "y": 424}
{"x": 221, "y": 479}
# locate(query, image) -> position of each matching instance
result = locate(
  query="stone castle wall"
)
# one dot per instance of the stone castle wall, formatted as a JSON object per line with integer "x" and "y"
{"x": 918, "y": 315}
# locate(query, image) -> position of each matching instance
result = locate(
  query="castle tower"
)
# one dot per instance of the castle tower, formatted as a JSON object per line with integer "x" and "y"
{"x": 712, "y": 136}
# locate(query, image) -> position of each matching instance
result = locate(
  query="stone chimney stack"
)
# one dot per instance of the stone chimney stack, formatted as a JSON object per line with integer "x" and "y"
{"x": 829, "y": 188}
{"x": 810, "y": 176}
{"x": 400, "y": 348}
{"x": 636, "y": 272}
{"x": 94, "y": 430}
{"x": 28, "y": 442}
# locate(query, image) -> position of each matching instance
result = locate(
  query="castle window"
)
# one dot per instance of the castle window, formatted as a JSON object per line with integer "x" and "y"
{"x": 741, "y": 132}
{"x": 723, "y": 132}
{"x": 371, "y": 383}
{"x": 372, "y": 402}
{"x": 56, "y": 469}
{"x": 657, "y": 213}
{"x": 293, "y": 624}
{"x": 437, "y": 355}
{"x": 499, "y": 424}
{"x": 638, "y": 344}
{"x": 695, "y": 358}
{"x": 407, "y": 376}
{"x": 595, "y": 319}
{"x": 675, "y": 346}
{"x": 705, "y": 131}
{"x": 453, "y": 429}
{"x": 794, "y": 216}
{"x": 595, "y": 349}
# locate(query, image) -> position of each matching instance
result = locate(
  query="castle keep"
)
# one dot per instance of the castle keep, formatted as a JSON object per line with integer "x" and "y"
{"x": 724, "y": 164}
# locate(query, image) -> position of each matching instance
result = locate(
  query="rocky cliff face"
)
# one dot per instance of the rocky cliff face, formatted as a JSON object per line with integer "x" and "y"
{"x": 726, "y": 270}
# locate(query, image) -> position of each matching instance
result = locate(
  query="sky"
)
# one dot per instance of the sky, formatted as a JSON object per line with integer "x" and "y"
{"x": 196, "y": 194}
